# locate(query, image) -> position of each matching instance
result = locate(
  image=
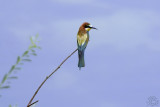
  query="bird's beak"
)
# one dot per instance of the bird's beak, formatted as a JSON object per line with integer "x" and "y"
{"x": 94, "y": 28}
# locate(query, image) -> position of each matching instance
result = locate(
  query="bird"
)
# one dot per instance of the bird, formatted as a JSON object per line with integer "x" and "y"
{"x": 82, "y": 41}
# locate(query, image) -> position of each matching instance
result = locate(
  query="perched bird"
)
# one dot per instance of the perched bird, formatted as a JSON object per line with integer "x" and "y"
{"x": 82, "y": 41}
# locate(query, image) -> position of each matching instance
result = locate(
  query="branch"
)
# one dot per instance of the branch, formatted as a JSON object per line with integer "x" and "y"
{"x": 30, "y": 102}
{"x": 5, "y": 83}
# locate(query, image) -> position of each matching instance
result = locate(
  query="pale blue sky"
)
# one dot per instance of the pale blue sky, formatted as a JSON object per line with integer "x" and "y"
{"x": 122, "y": 57}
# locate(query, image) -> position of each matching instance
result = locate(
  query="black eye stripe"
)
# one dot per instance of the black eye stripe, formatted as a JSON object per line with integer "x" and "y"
{"x": 88, "y": 27}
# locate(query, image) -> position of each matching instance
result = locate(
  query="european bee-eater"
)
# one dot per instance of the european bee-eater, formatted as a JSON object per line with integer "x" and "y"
{"x": 82, "y": 41}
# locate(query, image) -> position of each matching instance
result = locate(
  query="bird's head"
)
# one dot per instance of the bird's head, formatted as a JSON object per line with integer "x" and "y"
{"x": 87, "y": 26}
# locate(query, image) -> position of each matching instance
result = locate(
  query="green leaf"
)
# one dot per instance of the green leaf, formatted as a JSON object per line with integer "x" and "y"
{"x": 13, "y": 106}
{"x": 12, "y": 68}
{"x": 34, "y": 45}
{"x": 30, "y": 47}
{"x": 4, "y": 78}
{"x": 18, "y": 59}
{"x": 37, "y": 41}
{"x": 13, "y": 77}
{"x": 7, "y": 86}
{"x": 31, "y": 39}
{"x": 33, "y": 50}
{"x": 21, "y": 63}
{"x": 26, "y": 60}
{"x": 17, "y": 68}
{"x": 34, "y": 54}
{"x": 39, "y": 47}
{"x": 25, "y": 53}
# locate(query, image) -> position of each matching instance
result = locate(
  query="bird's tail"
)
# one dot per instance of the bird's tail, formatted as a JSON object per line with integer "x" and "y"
{"x": 81, "y": 59}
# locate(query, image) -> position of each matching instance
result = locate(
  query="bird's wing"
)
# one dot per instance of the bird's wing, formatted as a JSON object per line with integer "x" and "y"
{"x": 82, "y": 41}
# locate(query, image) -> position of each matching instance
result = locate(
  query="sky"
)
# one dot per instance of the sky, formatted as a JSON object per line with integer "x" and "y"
{"x": 122, "y": 57}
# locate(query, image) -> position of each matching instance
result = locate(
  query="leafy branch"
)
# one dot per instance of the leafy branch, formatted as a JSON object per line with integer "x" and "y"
{"x": 25, "y": 57}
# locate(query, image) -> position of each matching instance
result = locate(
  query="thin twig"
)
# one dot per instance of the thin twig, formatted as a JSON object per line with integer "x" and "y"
{"x": 30, "y": 102}
{"x": 33, "y": 103}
